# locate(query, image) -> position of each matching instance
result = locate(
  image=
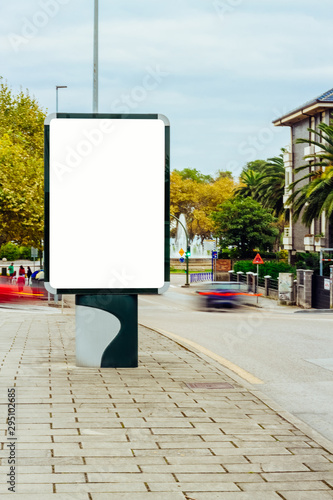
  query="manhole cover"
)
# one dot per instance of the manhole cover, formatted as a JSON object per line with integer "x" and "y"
{"x": 212, "y": 385}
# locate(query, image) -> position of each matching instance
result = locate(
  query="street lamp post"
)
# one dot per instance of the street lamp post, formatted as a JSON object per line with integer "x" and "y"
{"x": 95, "y": 69}
{"x": 59, "y": 87}
{"x": 187, "y": 246}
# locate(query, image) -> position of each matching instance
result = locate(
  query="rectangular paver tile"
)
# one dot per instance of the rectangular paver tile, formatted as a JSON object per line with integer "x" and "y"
{"x": 105, "y": 467}
{"x": 99, "y": 452}
{"x": 28, "y": 488}
{"x": 299, "y": 476}
{"x": 308, "y": 495}
{"x": 287, "y": 486}
{"x": 138, "y": 496}
{"x": 26, "y": 478}
{"x": 267, "y": 467}
{"x": 133, "y": 487}
{"x": 193, "y": 486}
{"x": 185, "y": 468}
{"x": 221, "y": 477}
{"x": 234, "y": 496}
{"x": 45, "y": 496}
{"x": 135, "y": 477}
{"x": 251, "y": 451}
{"x": 173, "y": 452}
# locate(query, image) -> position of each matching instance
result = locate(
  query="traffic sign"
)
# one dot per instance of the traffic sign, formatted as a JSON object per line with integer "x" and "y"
{"x": 34, "y": 252}
{"x": 257, "y": 259}
{"x": 181, "y": 252}
{"x": 214, "y": 255}
{"x": 182, "y": 259}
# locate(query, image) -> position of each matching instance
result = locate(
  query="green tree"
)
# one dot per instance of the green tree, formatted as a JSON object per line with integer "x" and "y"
{"x": 316, "y": 196}
{"x": 265, "y": 184}
{"x": 271, "y": 184}
{"x": 194, "y": 175}
{"x": 249, "y": 184}
{"x": 21, "y": 168}
{"x": 196, "y": 200}
{"x": 255, "y": 166}
{"x": 245, "y": 224}
{"x": 222, "y": 174}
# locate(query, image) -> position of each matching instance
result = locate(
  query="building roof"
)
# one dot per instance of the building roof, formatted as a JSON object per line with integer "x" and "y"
{"x": 310, "y": 108}
{"x": 327, "y": 97}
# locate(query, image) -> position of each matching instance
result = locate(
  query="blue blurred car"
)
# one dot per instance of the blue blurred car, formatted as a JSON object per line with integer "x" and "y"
{"x": 222, "y": 293}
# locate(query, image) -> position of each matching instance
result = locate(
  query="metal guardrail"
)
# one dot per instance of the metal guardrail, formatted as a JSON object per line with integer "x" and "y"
{"x": 197, "y": 277}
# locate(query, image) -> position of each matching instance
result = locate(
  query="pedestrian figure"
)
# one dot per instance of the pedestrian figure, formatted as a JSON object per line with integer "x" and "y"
{"x": 29, "y": 273}
{"x": 21, "y": 279}
{"x": 11, "y": 269}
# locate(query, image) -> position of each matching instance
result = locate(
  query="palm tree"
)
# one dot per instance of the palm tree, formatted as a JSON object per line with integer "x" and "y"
{"x": 271, "y": 185}
{"x": 249, "y": 184}
{"x": 265, "y": 185}
{"x": 316, "y": 196}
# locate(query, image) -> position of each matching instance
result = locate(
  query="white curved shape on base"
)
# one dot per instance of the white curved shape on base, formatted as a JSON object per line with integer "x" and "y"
{"x": 95, "y": 329}
{"x": 164, "y": 288}
{"x": 50, "y": 288}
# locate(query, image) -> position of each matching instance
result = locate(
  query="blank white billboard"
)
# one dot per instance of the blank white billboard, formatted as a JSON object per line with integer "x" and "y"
{"x": 107, "y": 203}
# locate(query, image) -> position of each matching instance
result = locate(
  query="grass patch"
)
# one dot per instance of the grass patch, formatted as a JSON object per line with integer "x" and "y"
{"x": 173, "y": 270}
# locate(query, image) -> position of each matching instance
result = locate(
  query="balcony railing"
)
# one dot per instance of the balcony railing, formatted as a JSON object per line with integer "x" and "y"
{"x": 287, "y": 239}
{"x": 309, "y": 150}
{"x": 320, "y": 242}
{"x": 287, "y": 159}
{"x": 309, "y": 242}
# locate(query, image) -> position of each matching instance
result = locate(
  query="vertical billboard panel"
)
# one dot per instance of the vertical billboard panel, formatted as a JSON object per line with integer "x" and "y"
{"x": 107, "y": 203}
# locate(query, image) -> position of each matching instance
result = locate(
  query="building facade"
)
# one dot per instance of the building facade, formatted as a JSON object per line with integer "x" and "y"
{"x": 298, "y": 237}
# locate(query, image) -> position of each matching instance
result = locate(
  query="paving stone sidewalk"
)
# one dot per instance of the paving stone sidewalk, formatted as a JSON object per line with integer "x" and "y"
{"x": 143, "y": 434}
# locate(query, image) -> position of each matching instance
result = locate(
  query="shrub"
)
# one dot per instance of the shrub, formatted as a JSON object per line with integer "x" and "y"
{"x": 10, "y": 251}
{"x": 25, "y": 253}
{"x": 308, "y": 260}
{"x": 267, "y": 269}
{"x": 282, "y": 255}
{"x": 268, "y": 255}
{"x": 224, "y": 254}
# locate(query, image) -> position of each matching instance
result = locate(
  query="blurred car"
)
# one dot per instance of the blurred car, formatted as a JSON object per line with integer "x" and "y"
{"x": 222, "y": 293}
{"x": 37, "y": 282}
{"x": 18, "y": 292}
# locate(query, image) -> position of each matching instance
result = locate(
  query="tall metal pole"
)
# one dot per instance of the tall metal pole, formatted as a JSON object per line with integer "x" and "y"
{"x": 95, "y": 75}
{"x": 187, "y": 244}
{"x": 59, "y": 87}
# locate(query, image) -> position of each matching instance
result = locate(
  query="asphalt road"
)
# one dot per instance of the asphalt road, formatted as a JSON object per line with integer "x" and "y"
{"x": 292, "y": 353}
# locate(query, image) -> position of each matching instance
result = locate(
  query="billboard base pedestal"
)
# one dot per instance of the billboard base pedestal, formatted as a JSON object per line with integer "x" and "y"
{"x": 107, "y": 331}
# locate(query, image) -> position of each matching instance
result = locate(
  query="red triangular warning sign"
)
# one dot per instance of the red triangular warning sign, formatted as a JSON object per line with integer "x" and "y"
{"x": 257, "y": 259}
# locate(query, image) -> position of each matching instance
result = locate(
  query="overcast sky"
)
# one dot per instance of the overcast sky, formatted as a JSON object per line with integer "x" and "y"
{"x": 221, "y": 70}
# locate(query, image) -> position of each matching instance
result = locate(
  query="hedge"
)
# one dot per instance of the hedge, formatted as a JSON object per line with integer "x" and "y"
{"x": 267, "y": 269}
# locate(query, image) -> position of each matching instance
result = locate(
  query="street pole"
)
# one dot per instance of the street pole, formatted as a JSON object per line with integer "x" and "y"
{"x": 59, "y": 87}
{"x": 212, "y": 267}
{"x": 95, "y": 71}
{"x": 187, "y": 245}
{"x": 257, "y": 282}
{"x": 187, "y": 273}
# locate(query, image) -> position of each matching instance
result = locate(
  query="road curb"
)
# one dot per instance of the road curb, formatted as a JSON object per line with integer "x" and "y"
{"x": 316, "y": 311}
{"x": 279, "y": 410}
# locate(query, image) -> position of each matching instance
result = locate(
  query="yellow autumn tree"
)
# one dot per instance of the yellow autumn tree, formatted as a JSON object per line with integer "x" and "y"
{"x": 21, "y": 168}
{"x": 197, "y": 196}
